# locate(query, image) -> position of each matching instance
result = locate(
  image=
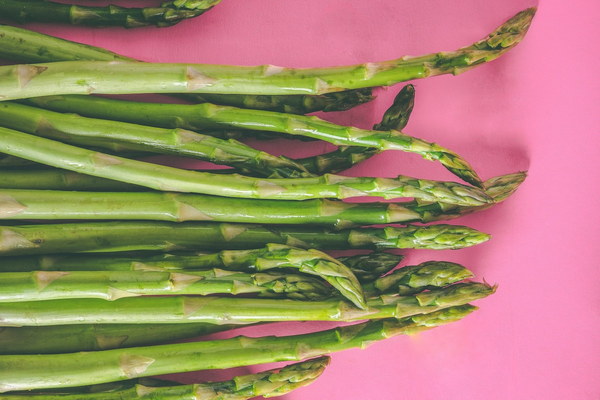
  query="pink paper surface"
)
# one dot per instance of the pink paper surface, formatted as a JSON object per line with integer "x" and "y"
{"x": 534, "y": 109}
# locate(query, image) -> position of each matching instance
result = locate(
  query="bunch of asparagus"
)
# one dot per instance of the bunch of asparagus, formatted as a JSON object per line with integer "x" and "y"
{"x": 109, "y": 256}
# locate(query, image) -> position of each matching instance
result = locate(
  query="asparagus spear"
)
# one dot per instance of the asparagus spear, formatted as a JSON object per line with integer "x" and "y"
{"x": 271, "y": 383}
{"x": 85, "y": 77}
{"x": 121, "y": 136}
{"x": 210, "y": 116}
{"x": 90, "y": 337}
{"x": 26, "y": 372}
{"x": 160, "y": 177}
{"x": 160, "y": 206}
{"x": 48, "y": 11}
{"x": 232, "y": 310}
{"x": 30, "y": 47}
{"x": 368, "y": 267}
{"x": 128, "y": 236}
{"x": 395, "y": 118}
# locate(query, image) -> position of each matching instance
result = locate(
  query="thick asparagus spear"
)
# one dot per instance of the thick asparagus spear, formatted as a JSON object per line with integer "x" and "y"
{"x": 85, "y": 77}
{"x": 26, "y": 372}
{"x": 176, "y": 207}
{"x": 48, "y": 11}
{"x": 160, "y": 177}
{"x": 210, "y": 116}
{"x": 90, "y": 337}
{"x": 122, "y": 136}
{"x": 22, "y": 45}
{"x": 271, "y": 383}
{"x": 187, "y": 236}
{"x": 231, "y": 310}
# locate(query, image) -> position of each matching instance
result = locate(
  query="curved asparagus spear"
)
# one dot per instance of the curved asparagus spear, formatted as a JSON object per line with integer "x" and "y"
{"x": 397, "y": 115}
{"x": 210, "y": 116}
{"x": 90, "y": 337}
{"x": 22, "y": 45}
{"x": 232, "y": 310}
{"x": 122, "y": 136}
{"x": 271, "y": 383}
{"x": 113, "y": 285}
{"x": 128, "y": 236}
{"x": 27, "y": 372}
{"x": 85, "y": 77}
{"x": 48, "y": 11}
{"x": 160, "y": 177}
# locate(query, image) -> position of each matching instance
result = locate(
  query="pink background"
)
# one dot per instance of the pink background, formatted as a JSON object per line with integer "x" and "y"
{"x": 536, "y": 109}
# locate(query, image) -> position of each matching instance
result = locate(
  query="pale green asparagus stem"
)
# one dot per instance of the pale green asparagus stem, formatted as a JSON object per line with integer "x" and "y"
{"x": 27, "y": 372}
{"x": 161, "y": 236}
{"x": 232, "y": 310}
{"x": 85, "y": 77}
{"x": 160, "y": 177}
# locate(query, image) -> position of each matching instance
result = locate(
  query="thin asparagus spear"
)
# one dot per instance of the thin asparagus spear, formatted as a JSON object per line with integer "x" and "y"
{"x": 122, "y": 136}
{"x": 232, "y": 310}
{"x": 160, "y": 177}
{"x": 176, "y": 207}
{"x": 27, "y": 372}
{"x": 163, "y": 236}
{"x": 210, "y": 116}
{"x": 22, "y": 45}
{"x": 90, "y": 337}
{"x": 271, "y": 383}
{"x": 85, "y": 77}
{"x": 48, "y": 11}
{"x": 113, "y": 285}
{"x": 395, "y": 118}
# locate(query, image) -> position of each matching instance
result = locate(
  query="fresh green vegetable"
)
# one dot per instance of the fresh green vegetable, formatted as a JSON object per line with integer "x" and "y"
{"x": 272, "y": 383}
{"x": 193, "y": 236}
{"x": 85, "y": 77}
{"x": 26, "y": 372}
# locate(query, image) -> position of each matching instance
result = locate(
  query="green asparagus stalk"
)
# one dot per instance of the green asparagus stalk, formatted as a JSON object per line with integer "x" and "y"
{"x": 162, "y": 236}
{"x": 27, "y": 372}
{"x": 48, "y": 11}
{"x": 160, "y": 206}
{"x": 232, "y": 310}
{"x": 91, "y": 337}
{"x": 26, "y": 46}
{"x": 85, "y": 77}
{"x": 113, "y": 285}
{"x": 210, "y": 116}
{"x": 271, "y": 383}
{"x": 160, "y": 177}
{"x": 121, "y": 136}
